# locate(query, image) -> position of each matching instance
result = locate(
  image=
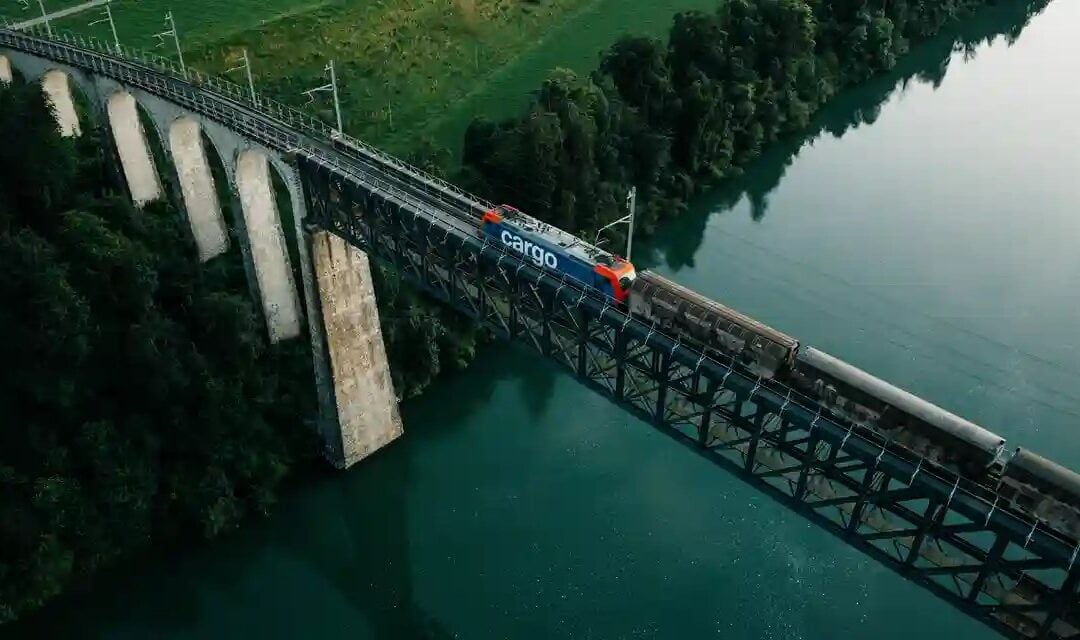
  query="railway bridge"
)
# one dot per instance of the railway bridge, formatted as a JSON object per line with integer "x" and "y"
{"x": 347, "y": 202}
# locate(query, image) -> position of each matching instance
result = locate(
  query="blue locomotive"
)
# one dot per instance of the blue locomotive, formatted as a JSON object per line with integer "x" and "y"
{"x": 552, "y": 248}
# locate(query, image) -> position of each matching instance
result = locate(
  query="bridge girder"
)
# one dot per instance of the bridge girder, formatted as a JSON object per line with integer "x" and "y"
{"x": 929, "y": 525}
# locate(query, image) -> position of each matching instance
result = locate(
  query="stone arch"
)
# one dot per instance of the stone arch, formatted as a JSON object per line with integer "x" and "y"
{"x": 267, "y": 244}
{"x": 5, "y": 71}
{"x": 57, "y": 87}
{"x": 197, "y": 187}
{"x": 79, "y": 86}
{"x": 291, "y": 211}
{"x": 136, "y": 158}
{"x": 157, "y": 141}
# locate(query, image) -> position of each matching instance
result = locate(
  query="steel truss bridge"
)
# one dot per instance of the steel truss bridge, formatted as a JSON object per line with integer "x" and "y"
{"x": 942, "y": 531}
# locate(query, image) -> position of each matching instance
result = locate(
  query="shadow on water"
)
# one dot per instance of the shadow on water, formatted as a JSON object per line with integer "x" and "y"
{"x": 928, "y": 62}
{"x": 347, "y": 534}
{"x": 495, "y": 362}
{"x": 347, "y": 538}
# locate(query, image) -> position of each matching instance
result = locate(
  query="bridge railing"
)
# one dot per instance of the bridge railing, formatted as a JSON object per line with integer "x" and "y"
{"x": 287, "y": 114}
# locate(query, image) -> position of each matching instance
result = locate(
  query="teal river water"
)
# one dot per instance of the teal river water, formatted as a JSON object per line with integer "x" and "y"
{"x": 933, "y": 244}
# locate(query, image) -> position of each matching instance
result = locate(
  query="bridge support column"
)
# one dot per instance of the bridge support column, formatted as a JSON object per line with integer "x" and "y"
{"x": 359, "y": 407}
{"x": 269, "y": 254}
{"x": 135, "y": 157}
{"x": 197, "y": 185}
{"x": 57, "y": 88}
{"x": 5, "y": 71}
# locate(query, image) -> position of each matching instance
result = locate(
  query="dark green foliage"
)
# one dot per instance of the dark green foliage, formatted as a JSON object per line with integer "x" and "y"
{"x": 423, "y": 338}
{"x": 673, "y": 119}
{"x": 139, "y": 400}
{"x": 40, "y": 163}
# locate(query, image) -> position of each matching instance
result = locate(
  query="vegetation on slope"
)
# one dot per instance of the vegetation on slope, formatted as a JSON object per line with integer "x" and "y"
{"x": 139, "y": 399}
{"x": 400, "y": 63}
{"x": 673, "y": 118}
{"x": 199, "y": 22}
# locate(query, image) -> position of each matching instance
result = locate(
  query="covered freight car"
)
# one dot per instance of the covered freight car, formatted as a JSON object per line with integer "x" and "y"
{"x": 711, "y": 325}
{"x": 1044, "y": 488}
{"x": 927, "y": 429}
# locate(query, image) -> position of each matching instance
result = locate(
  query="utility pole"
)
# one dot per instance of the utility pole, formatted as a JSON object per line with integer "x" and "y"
{"x": 337, "y": 103}
{"x": 171, "y": 31}
{"x": 45, "y": 17}
{"x": 247, "y": 69}
{"x": 331, "y": 87}
{"x": 628, "y": 220}
{"x": 112, "y": 25}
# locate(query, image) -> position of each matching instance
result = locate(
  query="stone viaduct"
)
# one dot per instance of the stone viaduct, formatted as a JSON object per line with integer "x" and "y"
{"x": 302, "y": 280}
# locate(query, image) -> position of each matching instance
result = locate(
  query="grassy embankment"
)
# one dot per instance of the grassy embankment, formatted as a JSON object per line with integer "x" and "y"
{"x": 415, "y": 69}
{"x": 409, "y": 69}
{"x": 199, "y": 22}
{"x": 401, "y": 63}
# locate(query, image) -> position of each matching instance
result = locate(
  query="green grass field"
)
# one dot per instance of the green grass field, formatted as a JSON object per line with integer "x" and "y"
{"x": 200, "y": 22}
{"x": 408, "y": 69}
{"x": 402, "y": 64}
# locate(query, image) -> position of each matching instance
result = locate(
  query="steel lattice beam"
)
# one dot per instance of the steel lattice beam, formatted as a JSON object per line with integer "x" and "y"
{"x": 931, "y": 527}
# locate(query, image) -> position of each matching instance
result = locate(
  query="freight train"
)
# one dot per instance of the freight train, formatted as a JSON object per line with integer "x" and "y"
{"x": 854, "y": 396}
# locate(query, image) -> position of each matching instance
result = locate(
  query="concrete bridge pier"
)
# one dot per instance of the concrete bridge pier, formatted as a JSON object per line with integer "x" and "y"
{"x": 269, "y": 254}
{"x": 58, "y": 89}
{"x": 197, "y": 187}
{"x": 5, "y": 71}
{"x": 358, "y": 408}
{"x": 135, "y": 157}
{"x": 356, "y": 393}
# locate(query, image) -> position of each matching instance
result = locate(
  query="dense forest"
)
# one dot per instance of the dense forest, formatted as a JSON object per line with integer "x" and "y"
{"x": 139, "y": 398}
{"x": 677, "y": 117}
{"x": 423, "y": 337}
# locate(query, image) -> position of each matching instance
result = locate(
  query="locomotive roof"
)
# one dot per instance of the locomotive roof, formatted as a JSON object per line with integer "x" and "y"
{"x": 567, "y": 242}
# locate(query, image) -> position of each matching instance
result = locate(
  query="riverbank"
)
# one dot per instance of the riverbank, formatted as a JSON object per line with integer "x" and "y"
{"x": 673, "y": 118}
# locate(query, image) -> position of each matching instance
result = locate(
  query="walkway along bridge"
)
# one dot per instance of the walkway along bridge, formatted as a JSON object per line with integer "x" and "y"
{"x": 952, "y": 535}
